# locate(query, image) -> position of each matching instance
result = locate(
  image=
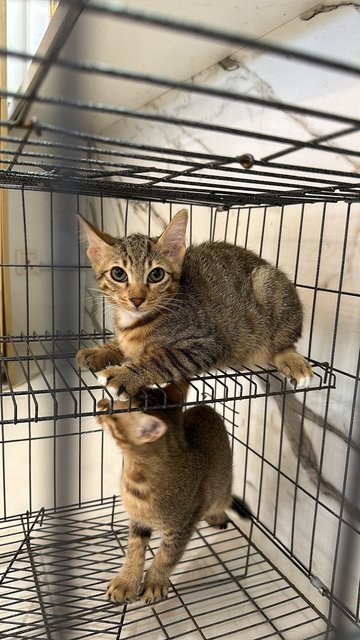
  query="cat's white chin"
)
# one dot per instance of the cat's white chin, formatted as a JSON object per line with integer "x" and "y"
{"x": 126, "y": 318}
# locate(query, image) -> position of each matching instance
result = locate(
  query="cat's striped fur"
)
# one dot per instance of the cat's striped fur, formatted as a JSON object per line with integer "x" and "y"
{"x": 177, "y": 471}
{"x": 217, "y": 305}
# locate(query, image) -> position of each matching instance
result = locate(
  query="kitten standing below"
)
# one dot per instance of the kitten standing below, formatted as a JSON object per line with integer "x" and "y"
{"x": 177, "y": 470}
{"x": 179, "y": 312}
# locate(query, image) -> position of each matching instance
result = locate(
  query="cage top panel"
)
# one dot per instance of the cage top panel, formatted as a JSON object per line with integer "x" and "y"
{"x": 180, "y": 147}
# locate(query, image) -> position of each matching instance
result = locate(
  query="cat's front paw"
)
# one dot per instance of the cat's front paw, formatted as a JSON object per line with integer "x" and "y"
{"x": 120, "y": 590}
{"x": 90, "y": 358}
{"x": 95, "y": 359}
{"x": 118, "y": 379}
{"x": 301, "y": 375}
{"x": 294, "y": 366}
{"x": 154, "y": 590}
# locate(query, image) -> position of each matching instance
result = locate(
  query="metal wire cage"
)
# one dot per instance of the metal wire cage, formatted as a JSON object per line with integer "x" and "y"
{"x": 294, "y": 571}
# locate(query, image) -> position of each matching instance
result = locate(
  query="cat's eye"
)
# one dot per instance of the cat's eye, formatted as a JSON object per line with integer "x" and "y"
{"x": 156, "y": 275}
{"x": 118, "y": 274}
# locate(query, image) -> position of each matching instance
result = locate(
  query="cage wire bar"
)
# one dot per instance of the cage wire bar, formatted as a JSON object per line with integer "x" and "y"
{"x": 57, "y": 558}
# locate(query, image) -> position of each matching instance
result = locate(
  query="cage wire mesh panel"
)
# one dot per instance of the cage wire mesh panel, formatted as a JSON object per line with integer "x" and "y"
{"x": 274, "y": 174}
{"x": 222, "y": 587}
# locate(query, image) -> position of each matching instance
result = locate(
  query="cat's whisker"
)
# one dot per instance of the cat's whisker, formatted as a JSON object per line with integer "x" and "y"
{"x": 168, "y": 307}
{"x": 94, "y": 293}
{"x": 95, "y": 315}
{"x": 92, "y": 314}
{"x": 91, "y": 299}
{"x": 96, "y": 300}
{"x": 95, "y": 305}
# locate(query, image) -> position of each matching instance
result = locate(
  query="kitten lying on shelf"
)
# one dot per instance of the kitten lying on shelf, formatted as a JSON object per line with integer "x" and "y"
{"x": 177, "y": 470}
{"x": 180, "y": 312}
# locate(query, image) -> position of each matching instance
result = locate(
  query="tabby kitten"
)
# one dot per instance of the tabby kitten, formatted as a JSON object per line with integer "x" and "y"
{"x": 179, "y": 312}
{"x": 176, "y": 471}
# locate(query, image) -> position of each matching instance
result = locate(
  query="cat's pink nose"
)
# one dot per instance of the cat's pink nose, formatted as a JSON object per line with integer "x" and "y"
{"x": 137, "y": 301}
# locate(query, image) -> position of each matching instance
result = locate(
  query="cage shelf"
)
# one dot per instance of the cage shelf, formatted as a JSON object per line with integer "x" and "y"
{"x": 52, "y": 386}
{"x": 55, "y": 585}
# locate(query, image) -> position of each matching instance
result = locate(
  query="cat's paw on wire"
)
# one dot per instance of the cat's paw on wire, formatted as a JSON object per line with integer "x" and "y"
{"x": 97, "y": 358}
{"x": 90, "y": 359}
{"x": 118, "y": 379}
{"x": 294, "y": 366}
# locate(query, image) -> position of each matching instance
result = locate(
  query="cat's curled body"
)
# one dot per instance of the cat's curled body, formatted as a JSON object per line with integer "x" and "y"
{"x": 176, "y": 471}
{"x": 215, "y": 305}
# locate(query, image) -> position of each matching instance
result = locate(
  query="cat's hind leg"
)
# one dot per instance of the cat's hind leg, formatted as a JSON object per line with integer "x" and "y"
{"x": 219, "y": 520}
{"x": 294, "y": 366}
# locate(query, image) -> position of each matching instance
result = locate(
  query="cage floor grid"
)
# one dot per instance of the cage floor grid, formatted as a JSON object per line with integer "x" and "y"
{"x": 54, "y": 586}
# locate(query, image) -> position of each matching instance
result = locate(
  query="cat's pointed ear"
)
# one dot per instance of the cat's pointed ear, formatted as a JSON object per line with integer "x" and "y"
{"x": 176, "y": 392}
{"x": 172, "y": 240}
{"x": 148, "y": 428}
{"x": 98, "y": 241}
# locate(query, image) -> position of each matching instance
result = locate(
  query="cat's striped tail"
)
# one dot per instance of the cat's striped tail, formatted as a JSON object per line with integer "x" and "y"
{"x": 240, "y": 507}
